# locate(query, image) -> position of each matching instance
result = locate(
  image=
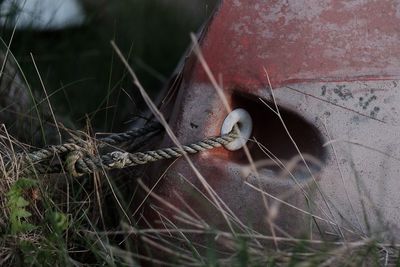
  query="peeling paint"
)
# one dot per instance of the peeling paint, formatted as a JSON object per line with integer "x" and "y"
{"x": 306, "y": 40}
{"x": 334, "y": 64}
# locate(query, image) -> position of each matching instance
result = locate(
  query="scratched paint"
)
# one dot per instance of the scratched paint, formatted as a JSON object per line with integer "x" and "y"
{"x": 335, "y": 64}
{"x": 303, "y": 40}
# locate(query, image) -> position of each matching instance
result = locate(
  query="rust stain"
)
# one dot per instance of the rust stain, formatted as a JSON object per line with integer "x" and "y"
{"x": 302, "y": 40}
{"x": 335, "y": 67}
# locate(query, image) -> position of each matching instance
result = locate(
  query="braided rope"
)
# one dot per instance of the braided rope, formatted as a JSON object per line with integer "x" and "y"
{"x": 119, "y": 160}
{"x": 51, "y": 151}
{"x": 79, "y": 161}
{"x": 113, "y": 140}
{"x": 118, "y": 138}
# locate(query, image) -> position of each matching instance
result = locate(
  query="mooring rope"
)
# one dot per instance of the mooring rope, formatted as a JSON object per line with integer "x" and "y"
{"x": 76, "y": 160}
{"x": 78, "y": 164}
{"x": 128, "y": 136}
{"x": 112, "y": 140}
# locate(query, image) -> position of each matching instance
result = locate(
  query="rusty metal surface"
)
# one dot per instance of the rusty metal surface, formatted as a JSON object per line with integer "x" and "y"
{"x": 303, "y": 40}
{"x": 334, "y": 67}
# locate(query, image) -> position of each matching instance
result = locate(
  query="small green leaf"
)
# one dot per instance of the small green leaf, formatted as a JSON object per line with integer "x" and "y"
{"x": 59, "y": 221}
{"x": 20, "y": 202}
{"x": 25, "y": 183}
{"x": 27, "y": 227}
{"x": 21, "y": 213}
{"x": 17, "y": 206}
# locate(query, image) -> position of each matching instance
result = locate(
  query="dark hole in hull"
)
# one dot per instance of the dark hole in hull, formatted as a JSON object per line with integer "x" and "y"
{"x": 269, "y": 131}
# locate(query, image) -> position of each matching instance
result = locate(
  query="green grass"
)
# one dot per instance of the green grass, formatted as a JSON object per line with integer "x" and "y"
{"x": 57, "y": 220}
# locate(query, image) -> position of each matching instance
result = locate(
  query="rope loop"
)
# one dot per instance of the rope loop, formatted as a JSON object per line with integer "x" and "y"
{"x": 79, "y": 161}
{"x": 119, "y": 159}
{"x": 70, "y": 163}
{"x": 239, "y": 121}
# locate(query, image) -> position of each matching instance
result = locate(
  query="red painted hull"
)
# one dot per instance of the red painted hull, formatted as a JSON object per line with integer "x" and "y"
{"x": 334, "y": 67}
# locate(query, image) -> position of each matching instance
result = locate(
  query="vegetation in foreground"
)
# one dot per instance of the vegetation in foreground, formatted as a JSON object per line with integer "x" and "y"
{"x": 57, "y": 220}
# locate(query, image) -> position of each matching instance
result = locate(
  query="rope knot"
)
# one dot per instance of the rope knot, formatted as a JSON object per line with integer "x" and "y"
{"x": 70, "y": 163}
{"x": 120, "y": 159}
{"x": 80, "y": 161}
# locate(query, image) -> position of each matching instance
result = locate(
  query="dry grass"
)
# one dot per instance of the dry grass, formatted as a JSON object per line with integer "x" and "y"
{"x": 57, "y": 220}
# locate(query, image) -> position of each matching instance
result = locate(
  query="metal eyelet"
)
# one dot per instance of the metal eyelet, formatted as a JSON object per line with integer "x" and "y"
{"x": 242, "y": 119}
